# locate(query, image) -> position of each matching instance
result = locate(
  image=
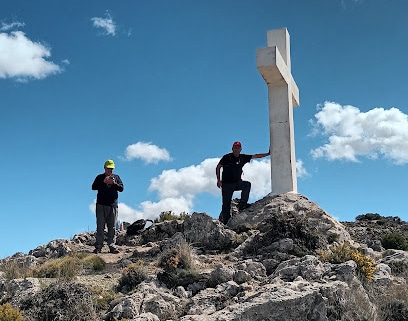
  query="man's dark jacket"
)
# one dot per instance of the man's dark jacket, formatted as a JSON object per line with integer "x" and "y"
{"x": 107, "y": 194}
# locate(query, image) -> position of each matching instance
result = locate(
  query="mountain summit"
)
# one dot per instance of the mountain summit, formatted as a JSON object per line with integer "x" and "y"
{"x": 284, "y": 258}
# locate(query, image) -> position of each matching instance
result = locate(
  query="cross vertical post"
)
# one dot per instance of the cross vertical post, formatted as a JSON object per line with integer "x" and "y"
{"x": 273, "y": 63}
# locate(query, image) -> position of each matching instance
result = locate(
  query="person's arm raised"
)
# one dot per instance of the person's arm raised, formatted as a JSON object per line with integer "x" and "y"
{"x": 261, "y": 155}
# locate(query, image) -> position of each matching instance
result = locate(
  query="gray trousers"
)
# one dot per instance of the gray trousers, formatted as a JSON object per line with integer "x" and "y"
{"x": 105, "y": 216}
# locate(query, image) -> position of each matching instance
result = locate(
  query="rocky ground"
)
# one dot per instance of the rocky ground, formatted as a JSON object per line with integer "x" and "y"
{"x": 264, "y": 265}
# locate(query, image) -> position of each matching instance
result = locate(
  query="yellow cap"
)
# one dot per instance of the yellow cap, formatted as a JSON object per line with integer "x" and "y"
{"x": 109, "y": 164}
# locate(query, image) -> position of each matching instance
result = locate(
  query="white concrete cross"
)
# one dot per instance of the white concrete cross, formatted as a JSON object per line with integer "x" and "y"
{"x": 273, "y": 63}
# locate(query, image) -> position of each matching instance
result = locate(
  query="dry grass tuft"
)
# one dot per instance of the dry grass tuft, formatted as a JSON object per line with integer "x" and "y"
{"x": 132, "y": 276}
{"x": 178, "y": 266}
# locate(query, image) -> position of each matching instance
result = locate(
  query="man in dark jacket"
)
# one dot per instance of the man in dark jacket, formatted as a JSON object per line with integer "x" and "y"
{"x": 231, "y": 181}
{"x": 108, "y": 185}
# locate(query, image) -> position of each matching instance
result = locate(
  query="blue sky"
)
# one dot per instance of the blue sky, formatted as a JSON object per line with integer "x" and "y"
{"x": 164, "y": 87}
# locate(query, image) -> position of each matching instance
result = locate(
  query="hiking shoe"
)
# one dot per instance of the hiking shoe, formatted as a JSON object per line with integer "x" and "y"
{"x": 96, "y": 251}
{"x": 243, "y": 206}
{"x": 221, "y": 218}
{"x": 113, "y": 250}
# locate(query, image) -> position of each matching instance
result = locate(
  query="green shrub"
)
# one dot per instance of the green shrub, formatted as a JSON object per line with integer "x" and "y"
{"x": 394, "y": 241}
{"x": 8, "y": 313}
{"x": 170, "y": 216}
{"x": 369, "y": 217}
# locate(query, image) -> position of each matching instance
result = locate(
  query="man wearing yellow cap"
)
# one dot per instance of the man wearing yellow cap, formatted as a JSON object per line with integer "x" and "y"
{"x": 231, "y": 181}
{"x": 108, "y": 185}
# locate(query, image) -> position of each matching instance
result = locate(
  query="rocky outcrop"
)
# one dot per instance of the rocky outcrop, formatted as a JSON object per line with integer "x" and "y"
{"x": 263, "y": 265}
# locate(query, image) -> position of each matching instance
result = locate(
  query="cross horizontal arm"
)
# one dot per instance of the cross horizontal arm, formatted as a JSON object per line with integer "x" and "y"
{"x": 275, "y": 72}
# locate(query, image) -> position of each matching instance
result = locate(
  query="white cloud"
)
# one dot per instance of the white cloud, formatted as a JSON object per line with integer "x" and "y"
{"x": 9, "y": 26}
{"x": 259, "y": 174}
{"x": 177, "y": 205}
{"x": 107, "y": 24}
{"x": 300, "y": 170}
{"x": 92, "y": 207}
{"x": 128, "y": 214}
{"x": 147, "y": 152}
{"x": 22, "y": 59}
{"x": 352, "y": 133}
{"x": 187, "y": 181}
{"x": 152, "y": 210}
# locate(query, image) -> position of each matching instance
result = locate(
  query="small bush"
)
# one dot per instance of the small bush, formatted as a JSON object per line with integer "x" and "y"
{"x": 305, "y": 239}
{"x": 369, "y": 217}
{"x": 8, "y": 313}
{"x": 394, "y": 241}
{"x": 337, "y": 254}
{"x": 180, "y": 277}
{"x": 132, "y": 276}
{"x": 364, "y": 264}
{"x": 331, "y": 238}
{"x": 170, "y": 216}
{"x": 178, "y": 265}
{"x": 179, "y": 257}
{"x": 343, "y": 253}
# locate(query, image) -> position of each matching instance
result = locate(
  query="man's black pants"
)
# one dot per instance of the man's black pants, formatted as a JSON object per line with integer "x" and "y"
{"x": 227, "y": 190}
